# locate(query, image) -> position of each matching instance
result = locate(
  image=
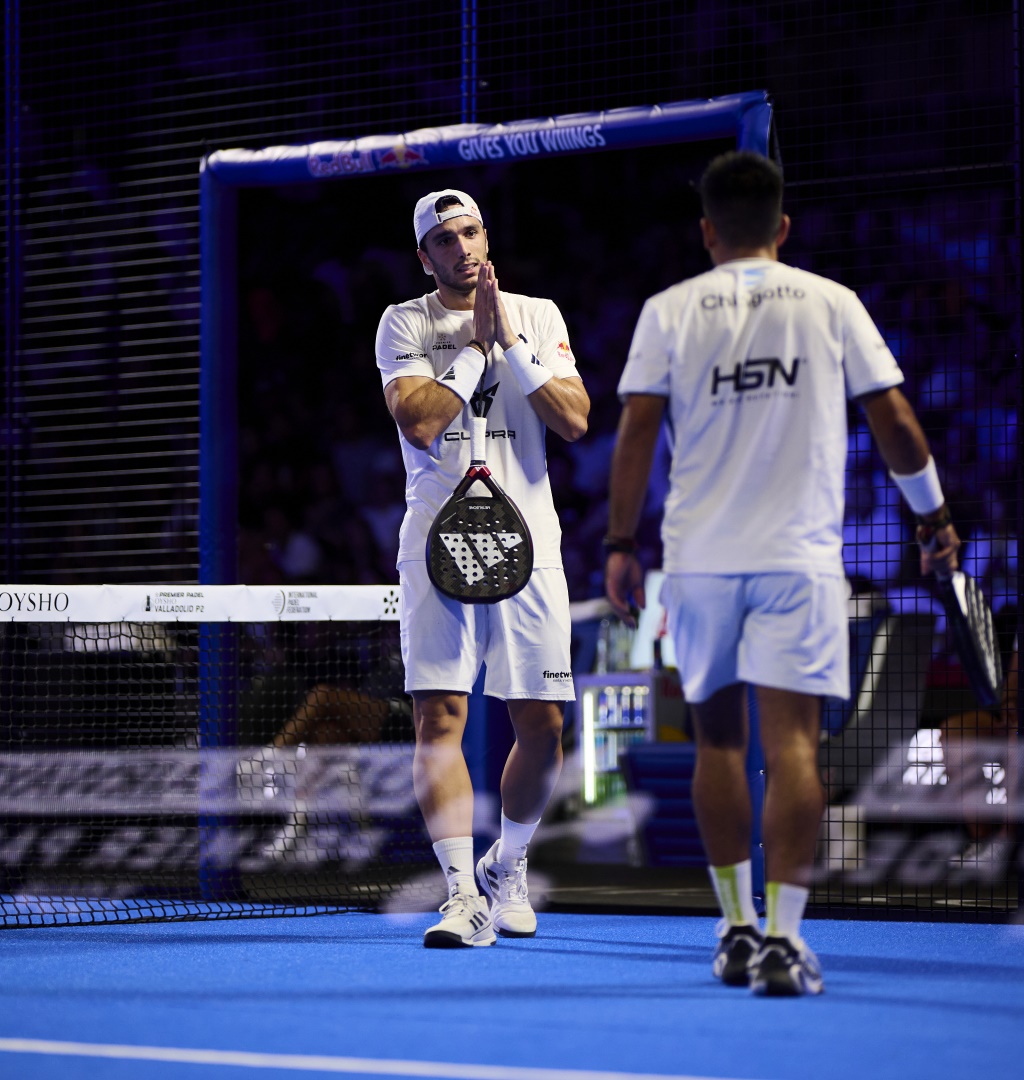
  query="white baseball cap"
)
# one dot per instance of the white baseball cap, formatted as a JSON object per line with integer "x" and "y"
{"x": 425, "y": 217}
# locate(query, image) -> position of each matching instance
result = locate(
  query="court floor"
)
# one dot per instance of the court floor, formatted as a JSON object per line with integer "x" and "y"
{"x": 592, "y": 997}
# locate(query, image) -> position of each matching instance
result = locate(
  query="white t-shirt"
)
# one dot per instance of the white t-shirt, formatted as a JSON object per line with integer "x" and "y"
{"x": 757, "y": 360}
{"x": 422, "y": 337}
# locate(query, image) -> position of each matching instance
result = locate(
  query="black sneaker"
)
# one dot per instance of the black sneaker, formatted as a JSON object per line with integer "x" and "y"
{"x": 736, "y": 947}
{"x": 782, "y": 969}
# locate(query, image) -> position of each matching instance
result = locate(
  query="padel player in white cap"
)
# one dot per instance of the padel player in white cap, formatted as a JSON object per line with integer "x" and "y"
{"x": 752, "y": 364}
{"x": 431, "y": 353}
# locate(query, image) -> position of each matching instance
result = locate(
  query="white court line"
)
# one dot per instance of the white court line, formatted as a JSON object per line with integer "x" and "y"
{"x": 317, "y": 1063}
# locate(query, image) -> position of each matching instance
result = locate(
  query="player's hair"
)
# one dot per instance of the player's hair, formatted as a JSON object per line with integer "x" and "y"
{"x": 446, "y": 202}
{"x": 742, "y": 196}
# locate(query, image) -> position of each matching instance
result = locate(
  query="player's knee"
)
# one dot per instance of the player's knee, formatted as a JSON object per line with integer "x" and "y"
{"x": 796, "y": 756}
{"x": 438, "y": 719}
{"x": 540, "y": 729}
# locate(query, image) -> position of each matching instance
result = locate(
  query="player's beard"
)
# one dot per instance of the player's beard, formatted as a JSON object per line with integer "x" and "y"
{"x": 449, "y": 280}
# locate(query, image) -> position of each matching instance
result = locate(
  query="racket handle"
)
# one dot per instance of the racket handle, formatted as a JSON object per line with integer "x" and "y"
{"x": 927, "y": 542}
{"x": 477, "y": 440}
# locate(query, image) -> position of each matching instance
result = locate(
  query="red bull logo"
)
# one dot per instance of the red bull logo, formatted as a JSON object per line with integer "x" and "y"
{"x": 401, "y": 157}
{"x": 343, "y": 163}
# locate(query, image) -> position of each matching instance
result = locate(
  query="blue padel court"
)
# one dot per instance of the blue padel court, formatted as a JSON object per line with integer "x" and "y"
{"x": 592, "y": 997}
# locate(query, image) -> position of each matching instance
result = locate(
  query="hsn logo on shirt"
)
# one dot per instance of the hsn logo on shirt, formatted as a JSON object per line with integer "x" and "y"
{"x": 754, "y": 374}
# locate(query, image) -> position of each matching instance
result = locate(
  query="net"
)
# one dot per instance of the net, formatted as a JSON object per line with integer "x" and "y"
{"x": 203, "y": 751}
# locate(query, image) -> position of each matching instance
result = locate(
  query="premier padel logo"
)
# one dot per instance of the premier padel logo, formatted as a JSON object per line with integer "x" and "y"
{"x": 477, "y": 552}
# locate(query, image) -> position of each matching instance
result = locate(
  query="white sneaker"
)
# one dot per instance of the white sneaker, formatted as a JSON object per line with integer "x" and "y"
{"x": 466, "y": 922}
{"x": 510, "y": 899}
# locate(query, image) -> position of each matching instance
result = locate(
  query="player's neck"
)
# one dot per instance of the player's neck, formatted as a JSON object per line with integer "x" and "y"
{"x": 720, "y": 254}
{"x": 455, "y": 301}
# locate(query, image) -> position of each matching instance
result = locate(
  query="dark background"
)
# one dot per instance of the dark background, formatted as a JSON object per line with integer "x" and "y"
{"x": 899, "y": 134}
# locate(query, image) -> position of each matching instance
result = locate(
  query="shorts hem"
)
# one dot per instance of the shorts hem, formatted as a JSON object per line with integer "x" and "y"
{"x": 779, "y": 684}
{"x": 435, "y": 690}
{"x": 529, "y": 697}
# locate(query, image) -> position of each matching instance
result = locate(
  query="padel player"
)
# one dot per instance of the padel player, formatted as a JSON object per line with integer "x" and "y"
{"x": 431, "y": 353}
{"x": 752, "y": 364}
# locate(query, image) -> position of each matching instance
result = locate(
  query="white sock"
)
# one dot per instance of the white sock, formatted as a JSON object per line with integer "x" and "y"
{"x": 456, "y": 858}
{"x": 785, "y": 906}
{"x": 513, "y": 840}
{"x": 735, "y": 893}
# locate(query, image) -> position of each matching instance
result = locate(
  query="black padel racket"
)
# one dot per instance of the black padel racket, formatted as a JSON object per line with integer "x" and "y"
{"x": 974, "y": 636}
{"x": 972, "y": 628}
{"x": 479, "y": 549}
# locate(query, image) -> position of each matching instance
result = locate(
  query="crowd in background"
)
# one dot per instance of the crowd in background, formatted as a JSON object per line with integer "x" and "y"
{"x": 322, "y": 482}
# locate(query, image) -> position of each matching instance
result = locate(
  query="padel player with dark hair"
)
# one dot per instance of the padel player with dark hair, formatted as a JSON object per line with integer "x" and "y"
{"x": 752, "y": 364}
{"x": 462, "y": 351}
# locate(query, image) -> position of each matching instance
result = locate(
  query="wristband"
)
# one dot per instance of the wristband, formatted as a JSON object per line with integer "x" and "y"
{"x": 624, "y": 544}
{"x": 481, "y": 348}
{"x": 922, "y": 490}
{"x": 464, "y": 374}
{"x": 530, "y": 373}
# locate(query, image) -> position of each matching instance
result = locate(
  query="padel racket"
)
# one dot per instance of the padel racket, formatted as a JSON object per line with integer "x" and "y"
{"x": 479, "y": 549}
{"x": 974, "y": 636}
{"x": 973, "y": 630}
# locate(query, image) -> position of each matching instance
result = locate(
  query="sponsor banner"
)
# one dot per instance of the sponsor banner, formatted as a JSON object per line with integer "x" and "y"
{"x": 741, "y": 116}
{"x": 196, "y": 603}
{"x": 372, "y": 780}
{"x": 979, "y": 780}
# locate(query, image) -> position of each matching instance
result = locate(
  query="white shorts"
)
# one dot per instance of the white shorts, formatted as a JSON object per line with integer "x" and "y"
{"x": 787, "y": 631}
{"x": 524, "y": 641}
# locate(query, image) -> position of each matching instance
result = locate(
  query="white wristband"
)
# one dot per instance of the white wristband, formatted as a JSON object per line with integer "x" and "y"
{"x": 464, "y": 374}
{"x": 922, "y": 490}
{"x": 530, "y": 373}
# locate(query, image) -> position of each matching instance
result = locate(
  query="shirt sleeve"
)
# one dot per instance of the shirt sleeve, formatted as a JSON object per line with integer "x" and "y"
{"x": 553, "y": 350}
{"x": 867, "y": 361}
{"x": 647, "y": 367}
{"x": 400, "y": 350}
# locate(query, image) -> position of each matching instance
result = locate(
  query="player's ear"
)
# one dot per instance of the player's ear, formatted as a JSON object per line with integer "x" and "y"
{"x": 425, "y": 262}
{"x": 707, "y": 231}
{"x": 780, "y": 236}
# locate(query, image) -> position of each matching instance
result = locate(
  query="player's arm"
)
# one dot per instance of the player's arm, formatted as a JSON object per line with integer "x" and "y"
{"x": 632, "y": 457}
{"x": 422, "y": 404}
{"x": 561, "y": 403}
{"x": 423, "y": 408}
{"x": 904, "y": 448}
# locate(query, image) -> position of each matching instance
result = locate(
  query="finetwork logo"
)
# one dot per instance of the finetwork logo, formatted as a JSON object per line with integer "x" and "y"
{"x": 557, "y": 674}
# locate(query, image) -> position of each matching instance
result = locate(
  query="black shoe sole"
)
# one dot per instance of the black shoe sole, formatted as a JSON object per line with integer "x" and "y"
{"x": 445, "y": 940}
{"x": 515, "y": 933}
{"x": 737, "y": 977}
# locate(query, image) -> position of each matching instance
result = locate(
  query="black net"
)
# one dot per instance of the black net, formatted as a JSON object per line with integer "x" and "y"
{"x": 173, "y": 769}
{"x": 899, "y": 126}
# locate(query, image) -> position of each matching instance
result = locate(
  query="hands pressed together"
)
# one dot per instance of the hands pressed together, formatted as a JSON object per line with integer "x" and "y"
{"x": 490, "y": 320}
